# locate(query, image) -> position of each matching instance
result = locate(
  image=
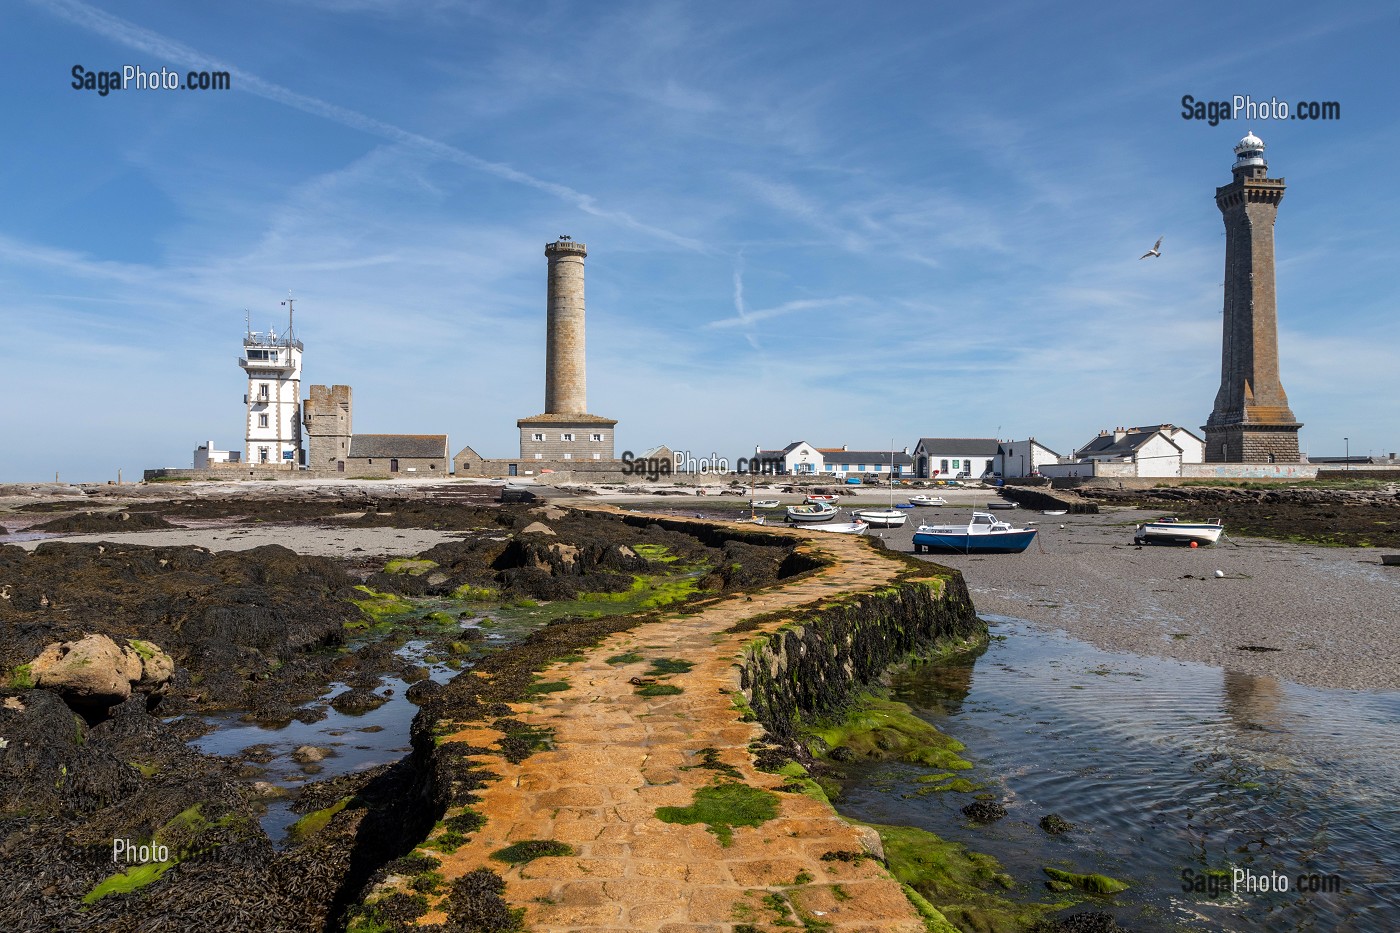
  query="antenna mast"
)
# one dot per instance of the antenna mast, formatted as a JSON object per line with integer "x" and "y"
{"x": 291, "y": 312}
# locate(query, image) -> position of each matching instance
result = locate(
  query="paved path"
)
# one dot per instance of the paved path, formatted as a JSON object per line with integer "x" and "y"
{"x": 619, "y": 756}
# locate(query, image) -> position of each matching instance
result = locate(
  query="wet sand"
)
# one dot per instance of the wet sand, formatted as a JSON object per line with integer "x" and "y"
{"x": 1332, "y": 614}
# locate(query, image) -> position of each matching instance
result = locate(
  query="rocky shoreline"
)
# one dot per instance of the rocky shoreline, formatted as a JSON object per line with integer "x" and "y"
{"x": 265, "y": 630}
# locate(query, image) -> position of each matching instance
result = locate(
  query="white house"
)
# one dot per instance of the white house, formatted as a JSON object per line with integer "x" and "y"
{"x": 1151, "y": 450}
{"x": 1021, "y": 458}
{"x": 842, "y": 463}
{"x": 798, "y": 457}
{"x": 207, "y": 453}
{"x": 950, "y": 456}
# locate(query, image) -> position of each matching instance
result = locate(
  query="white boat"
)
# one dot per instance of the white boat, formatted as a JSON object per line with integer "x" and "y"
{"x": 764, "y": 503}
{"x": 889, "y": 516}
{"x": 984, "y": 534}
{"x": 843, "y": 528}
{"x": 927, "y": 500}
{"x": 882, "y": 518}
{"x": 1175, "y": 531}
{"x": 816, "y": 512}
{"x": 816, "y": 499}
{"x": 1001, "y": 504}
{"x": 1056, "y": 512}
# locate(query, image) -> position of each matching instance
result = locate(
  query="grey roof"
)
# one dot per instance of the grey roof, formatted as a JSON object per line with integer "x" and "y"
{"x": 1012, "y": 445}
{"x": 868, "y": 456}
{"x": 1133, "y": 438}
{"x": 967, "y": 446}
{"x": 416, "y": 446}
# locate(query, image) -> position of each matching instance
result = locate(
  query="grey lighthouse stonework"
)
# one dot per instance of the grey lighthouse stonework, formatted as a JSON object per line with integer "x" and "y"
{"x": 1251, "y": 421}
{"x": 565, "y": 431}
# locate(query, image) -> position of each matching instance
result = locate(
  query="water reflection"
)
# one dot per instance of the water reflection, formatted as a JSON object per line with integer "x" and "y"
{"x": 1165, "y": 766}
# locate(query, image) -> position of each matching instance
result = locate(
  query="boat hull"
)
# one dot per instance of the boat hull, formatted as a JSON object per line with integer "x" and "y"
{"x": 810, "y": 513}
{"x": 1179, "y": 533}
{"x": 960, "y": 542}
{"x": 842, "y": 528}
{"x": 927, "y": 500}
{"x": 882, "y": 518}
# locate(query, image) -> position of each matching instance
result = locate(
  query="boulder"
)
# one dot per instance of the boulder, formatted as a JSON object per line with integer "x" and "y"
{"x": 537, "y": 528}
{"x": 95, "y": 671}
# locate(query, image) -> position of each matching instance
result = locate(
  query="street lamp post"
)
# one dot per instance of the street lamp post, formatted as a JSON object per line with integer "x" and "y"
{"x": 1347, "y": 441}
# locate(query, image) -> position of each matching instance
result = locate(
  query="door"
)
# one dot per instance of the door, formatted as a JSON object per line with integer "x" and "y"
{"x": 393, "y": 464}
{"x": 510, "y": 470}
{"x": 340, "y": 466}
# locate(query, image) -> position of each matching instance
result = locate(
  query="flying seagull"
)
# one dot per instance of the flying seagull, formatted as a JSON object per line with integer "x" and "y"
{"x": 1156, "y": 250}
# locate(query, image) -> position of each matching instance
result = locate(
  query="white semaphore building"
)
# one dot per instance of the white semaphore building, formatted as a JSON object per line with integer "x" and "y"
{"x": 273, "y": 365}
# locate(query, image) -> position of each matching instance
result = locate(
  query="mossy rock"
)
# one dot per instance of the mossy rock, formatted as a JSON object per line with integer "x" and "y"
{"x": 886, "y": 729}
{"x": 1094, "y": 884}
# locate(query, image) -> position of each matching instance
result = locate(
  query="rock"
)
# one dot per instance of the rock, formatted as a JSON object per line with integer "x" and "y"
{"x": 355, "y": 702}
{"x": 268, "y": 790}
{"x": 93, "y": 671}
{"x": 537, "y": 528}
{"x": 984, "y": 811}
{"x": 1054, "y": 824}
{"x": 566, "y": 554}
{"x": 870, "y": 841}
{"x": 308, "y": 754}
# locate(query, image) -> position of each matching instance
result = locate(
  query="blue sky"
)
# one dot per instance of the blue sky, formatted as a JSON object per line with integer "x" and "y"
{"x": 836, "y": 222}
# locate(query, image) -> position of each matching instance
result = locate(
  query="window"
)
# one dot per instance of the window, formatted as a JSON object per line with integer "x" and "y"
{"x": 262, "y": 390}
{"x": 536, "y": 437}
{"x": 262, "y": 420}
{"x": 596, "y": 437}
{"x": 539, "y": 456}
{"x": 262, "y": 454}
{"x": 566, "y": 437}
{"x": 568, "y": 456}
{"x": 957, "y": 464}
{"x": 597, "y": 456}
{"x": 943, "y": 466}
{"x": 860, "y": 468}
{"x": 879, "y": 467}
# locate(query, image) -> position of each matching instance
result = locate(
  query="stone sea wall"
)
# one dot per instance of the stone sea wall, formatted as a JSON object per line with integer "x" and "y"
{"x": 815, "y": 664}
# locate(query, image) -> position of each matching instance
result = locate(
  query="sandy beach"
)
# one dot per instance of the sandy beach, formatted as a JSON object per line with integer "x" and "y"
{"x": 1331, "y": 614}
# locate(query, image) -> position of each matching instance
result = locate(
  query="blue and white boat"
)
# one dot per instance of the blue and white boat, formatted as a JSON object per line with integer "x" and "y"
{"x": 984, "y": 534}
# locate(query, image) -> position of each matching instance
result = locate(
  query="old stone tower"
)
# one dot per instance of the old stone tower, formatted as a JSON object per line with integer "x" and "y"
{"x": 329, "y": 427}
{"x": 1251, "y": 422}
{"x": 565, "y": 431}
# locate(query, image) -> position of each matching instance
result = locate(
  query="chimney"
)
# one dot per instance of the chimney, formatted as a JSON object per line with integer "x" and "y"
{"x": 1119, "y": 434}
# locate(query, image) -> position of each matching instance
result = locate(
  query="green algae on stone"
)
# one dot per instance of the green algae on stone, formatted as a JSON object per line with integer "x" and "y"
{"x": 1094, "y": 884}
{"x": 961, "y": 883}
{"x": 412, "y": 566}
{"x": 885, "y": 729}
{"x": 630, "y": 657}
{"x": 721, "y": 807}
{"x": 379, "y": 607}
{"x": 664, "y": 666}
{"x": 21, "y": 677}
{"x": 470, "y": 593}
{"x": 316, "y": 820}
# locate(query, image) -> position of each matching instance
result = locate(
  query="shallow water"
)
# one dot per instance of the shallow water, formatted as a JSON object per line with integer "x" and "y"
{"x": 1163, "y": 766}
{"x": 356, "y": 742}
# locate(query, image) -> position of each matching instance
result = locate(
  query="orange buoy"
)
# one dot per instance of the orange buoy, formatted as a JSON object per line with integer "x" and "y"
{"x": 1193, "y": 544}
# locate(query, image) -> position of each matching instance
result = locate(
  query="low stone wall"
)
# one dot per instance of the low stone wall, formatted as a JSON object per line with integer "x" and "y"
{"x": 1045, "y": 498}
{"x": 814, "y": 665}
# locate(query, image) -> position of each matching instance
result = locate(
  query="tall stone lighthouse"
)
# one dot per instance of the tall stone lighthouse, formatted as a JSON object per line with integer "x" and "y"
{"x": 566, "y": 431}
{"x": 1251, "y": 422}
